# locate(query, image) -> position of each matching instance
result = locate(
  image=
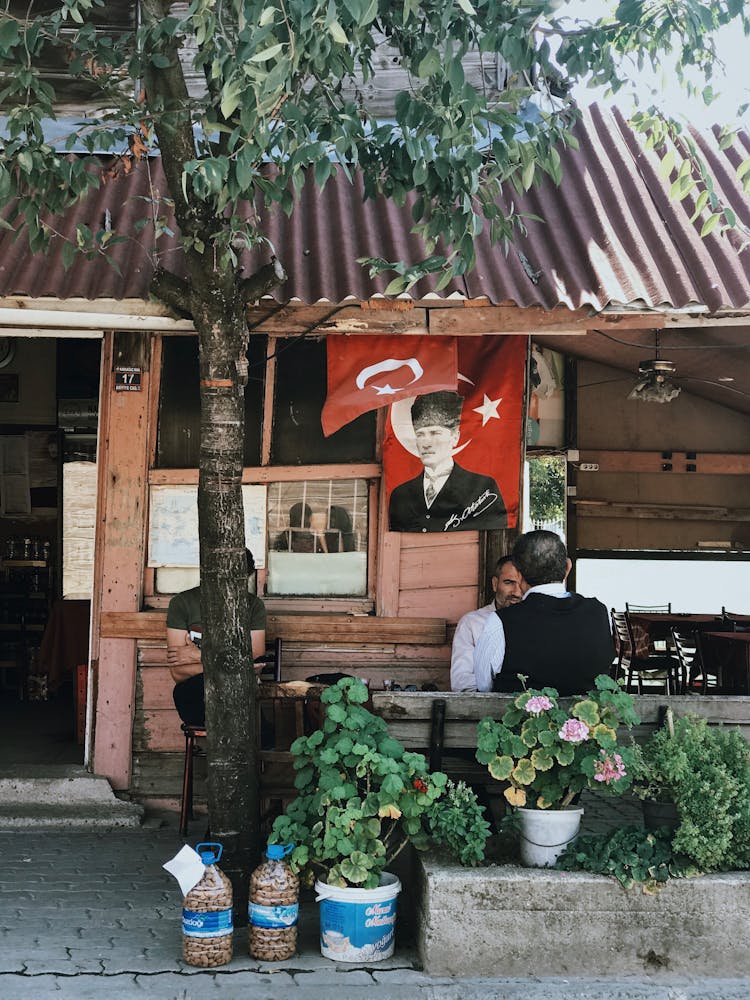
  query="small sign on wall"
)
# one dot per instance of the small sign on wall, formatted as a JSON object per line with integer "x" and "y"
{"x": 127, "y": 378}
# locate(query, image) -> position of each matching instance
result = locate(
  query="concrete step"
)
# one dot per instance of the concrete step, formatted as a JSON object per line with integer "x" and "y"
{"x": 61, "y": 796}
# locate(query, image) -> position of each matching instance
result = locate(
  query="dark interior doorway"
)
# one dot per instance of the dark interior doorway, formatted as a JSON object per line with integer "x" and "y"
{"x": 48, "y": 437}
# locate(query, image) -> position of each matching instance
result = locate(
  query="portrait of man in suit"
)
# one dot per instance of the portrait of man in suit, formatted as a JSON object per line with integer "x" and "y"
{"x": 445, "y": 496}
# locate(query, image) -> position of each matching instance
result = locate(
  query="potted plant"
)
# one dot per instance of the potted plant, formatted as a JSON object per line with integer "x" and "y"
{"x": 705, "y": 772}
{"x": 547, "y": 754}
{"x": 362, "y": 799}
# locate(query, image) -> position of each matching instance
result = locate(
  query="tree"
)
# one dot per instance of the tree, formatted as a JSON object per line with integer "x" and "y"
{"x": 277, "y": 107}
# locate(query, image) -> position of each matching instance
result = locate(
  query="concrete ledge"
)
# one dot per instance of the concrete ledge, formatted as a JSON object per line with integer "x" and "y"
{"x": 512, "y": 921}
{"x": 63, "y": 797}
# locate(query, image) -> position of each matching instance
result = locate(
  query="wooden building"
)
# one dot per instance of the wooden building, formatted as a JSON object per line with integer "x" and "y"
{"x": 615, "y": 265}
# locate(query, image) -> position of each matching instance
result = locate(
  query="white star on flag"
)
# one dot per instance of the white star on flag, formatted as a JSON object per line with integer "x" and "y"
{"x": 488, "y": 409}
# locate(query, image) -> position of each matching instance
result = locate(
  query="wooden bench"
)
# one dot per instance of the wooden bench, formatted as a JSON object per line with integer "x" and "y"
{"x": 443, "y": 725}
{"x": 408, "y": 650}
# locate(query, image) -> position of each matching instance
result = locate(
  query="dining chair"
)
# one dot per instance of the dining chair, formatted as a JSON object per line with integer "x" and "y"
{"x": 649, "y": 607}
{"x": 664, "y": 669}
{"x": 271, "y": 669}
{"x": 684, "y": 645}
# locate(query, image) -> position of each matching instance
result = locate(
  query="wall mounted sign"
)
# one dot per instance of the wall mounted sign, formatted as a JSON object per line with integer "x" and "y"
{"x": 127, "y": 378}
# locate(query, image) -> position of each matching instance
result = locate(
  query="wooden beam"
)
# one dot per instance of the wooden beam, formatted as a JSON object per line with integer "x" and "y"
{"x": 272, "y": 474}
{"x": 659, "y": 511}
{"x": 151, "y": 626}
{"x": 705, "y": 463}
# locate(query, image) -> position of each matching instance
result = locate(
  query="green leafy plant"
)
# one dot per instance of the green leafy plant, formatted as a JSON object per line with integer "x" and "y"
{"x": 547, "y": 754}
{"x": 456, "y": 820}
{"x": 363, "y": 798}
{"x": 705, "y": 771}
{"x": 631, "y": 855}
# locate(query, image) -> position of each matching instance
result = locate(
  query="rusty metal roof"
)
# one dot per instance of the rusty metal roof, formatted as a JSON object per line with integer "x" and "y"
{"x": 611, "y": 236}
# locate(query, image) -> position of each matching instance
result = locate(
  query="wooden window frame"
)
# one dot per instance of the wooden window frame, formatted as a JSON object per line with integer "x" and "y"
{"x": 267, "y": 473}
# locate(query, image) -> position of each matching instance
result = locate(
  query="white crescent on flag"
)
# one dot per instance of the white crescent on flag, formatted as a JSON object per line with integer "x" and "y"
{"x": 388, "y": 365}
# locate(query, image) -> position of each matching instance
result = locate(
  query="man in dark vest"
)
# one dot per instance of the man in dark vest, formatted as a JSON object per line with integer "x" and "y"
{"x": 553, "y": 637}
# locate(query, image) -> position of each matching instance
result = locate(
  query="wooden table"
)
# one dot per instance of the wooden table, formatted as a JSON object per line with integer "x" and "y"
{"x": 659, "y": 623}
{"x": 727, "y": 654}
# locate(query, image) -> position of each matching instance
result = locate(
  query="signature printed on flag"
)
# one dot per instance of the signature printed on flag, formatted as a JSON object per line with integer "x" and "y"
{"x": 482, "y": 503}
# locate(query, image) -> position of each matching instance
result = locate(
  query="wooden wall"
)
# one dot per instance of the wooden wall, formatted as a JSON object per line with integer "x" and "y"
{"x": 665, "y": 509}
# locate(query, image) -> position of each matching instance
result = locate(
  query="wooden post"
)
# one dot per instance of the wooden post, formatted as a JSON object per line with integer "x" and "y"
{"x": 120, "y": 547}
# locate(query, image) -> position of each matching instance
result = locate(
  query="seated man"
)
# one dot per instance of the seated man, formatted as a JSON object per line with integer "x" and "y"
{"x": 184, "y": 633}
{"x": 553, "y": 637}
{"x": 506, "y": 586}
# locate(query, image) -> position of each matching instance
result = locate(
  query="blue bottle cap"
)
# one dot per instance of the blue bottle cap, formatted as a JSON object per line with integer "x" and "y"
{"x": 209, "y": 852}
{"x": 278, "y": 851}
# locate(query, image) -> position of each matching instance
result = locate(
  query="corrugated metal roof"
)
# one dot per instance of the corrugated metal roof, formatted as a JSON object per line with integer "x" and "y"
{"x": 611, "y": 235}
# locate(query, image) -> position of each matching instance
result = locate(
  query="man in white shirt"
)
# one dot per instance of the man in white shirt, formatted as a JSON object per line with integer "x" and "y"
{"x": 553, "y": 637}
{"x": 506, "y": 585}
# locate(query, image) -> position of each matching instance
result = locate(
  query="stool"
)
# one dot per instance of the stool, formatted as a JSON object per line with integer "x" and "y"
{"x": 186, "y": 806}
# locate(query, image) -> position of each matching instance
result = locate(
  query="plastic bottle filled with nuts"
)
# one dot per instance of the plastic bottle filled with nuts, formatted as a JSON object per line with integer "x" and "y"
{"x": 274, "y": 906}
{"x": 207, "y": 925}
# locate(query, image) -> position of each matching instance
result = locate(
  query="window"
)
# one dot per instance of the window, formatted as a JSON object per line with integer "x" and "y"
{"x": 698, "y": 586}
{"x": 180, "y": 408}
{"x": 544, "y": 481}
{"x": 297, "y": 436}
{"x": 317, "y": 537}
{"x": 319, "y": 490}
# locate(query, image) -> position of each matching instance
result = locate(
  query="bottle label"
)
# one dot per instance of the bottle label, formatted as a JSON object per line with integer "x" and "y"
{"x": 206, "y": 925}
{"x": 273, "y": 916}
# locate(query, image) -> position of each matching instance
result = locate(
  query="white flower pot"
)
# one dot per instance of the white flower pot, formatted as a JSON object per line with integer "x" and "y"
{"x": 545, "y": 833}
{"x": 358, "y": 925}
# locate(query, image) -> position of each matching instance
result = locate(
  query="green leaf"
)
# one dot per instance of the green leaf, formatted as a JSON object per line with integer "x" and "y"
{"x": 501, "y": 768}
{"x": 429, "y": 64}
{"x": 466, "y": 7}
{"x": 266, "y": 54}
{"x": 710, "y": 224}
{"x": 337, "y": 33}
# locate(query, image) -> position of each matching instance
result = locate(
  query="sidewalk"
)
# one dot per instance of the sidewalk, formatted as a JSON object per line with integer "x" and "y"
{"x": 91, "y": 913}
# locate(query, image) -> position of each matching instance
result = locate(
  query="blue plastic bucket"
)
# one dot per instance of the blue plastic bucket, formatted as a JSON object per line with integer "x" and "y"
{"x": 358, "y": 925}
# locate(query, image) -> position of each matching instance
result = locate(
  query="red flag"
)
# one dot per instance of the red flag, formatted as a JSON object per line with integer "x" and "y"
{"x": 367, "y": 372}
{"x": 453, "y": 461}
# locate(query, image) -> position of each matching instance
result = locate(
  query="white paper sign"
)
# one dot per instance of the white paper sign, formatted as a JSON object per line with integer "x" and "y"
{"x": 187, "y": 868}
{"x": 173, "y": 525}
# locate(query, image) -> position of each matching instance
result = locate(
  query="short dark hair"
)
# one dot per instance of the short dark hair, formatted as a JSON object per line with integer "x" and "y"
{"x": 250, "y": 559}
{"x": 507, "y": 558}
{"x": 540, "y": 557}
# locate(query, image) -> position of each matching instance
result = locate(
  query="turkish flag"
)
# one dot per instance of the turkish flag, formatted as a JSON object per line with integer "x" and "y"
{"x": 366, "y": 372}
{"x": 452, "y": 461}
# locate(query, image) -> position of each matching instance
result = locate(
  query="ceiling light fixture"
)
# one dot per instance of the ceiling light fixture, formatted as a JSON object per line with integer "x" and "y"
{"x": 654, "y": 383}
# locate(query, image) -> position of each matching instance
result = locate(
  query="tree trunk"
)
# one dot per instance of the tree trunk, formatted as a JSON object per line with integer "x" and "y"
{"x": 226, "y": 649}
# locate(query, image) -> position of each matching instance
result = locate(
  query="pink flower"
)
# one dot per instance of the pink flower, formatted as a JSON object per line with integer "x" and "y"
{"x": 610, "y": 769}
{"x": 539, "y": 703}
{"x": 574, "y": 731}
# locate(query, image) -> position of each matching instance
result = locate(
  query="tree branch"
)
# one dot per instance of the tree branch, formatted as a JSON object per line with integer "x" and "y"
{"x": 267, "y": 277}
{"x": 172, "y": 291}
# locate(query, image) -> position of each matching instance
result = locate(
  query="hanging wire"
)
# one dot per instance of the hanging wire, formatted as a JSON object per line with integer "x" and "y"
{"x": 676, "y": 347}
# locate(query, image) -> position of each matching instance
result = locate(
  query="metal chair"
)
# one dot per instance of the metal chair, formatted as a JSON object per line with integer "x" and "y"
{"x": 271, "y": 670}
{"x": 662, "y": 668}
{"x": 649, "y": 607}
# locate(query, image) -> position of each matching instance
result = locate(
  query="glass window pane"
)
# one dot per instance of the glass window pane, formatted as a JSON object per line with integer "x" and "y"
{"x": 297, "y": 437}
{"x": 697, "y": 586}
{"x": 179, "y": 411}
{"x": 317, "y": 535}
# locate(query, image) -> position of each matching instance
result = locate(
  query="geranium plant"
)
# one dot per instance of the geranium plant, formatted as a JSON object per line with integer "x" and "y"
{"x": 363, "y": 798}
{"x": 548, "y": 752}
